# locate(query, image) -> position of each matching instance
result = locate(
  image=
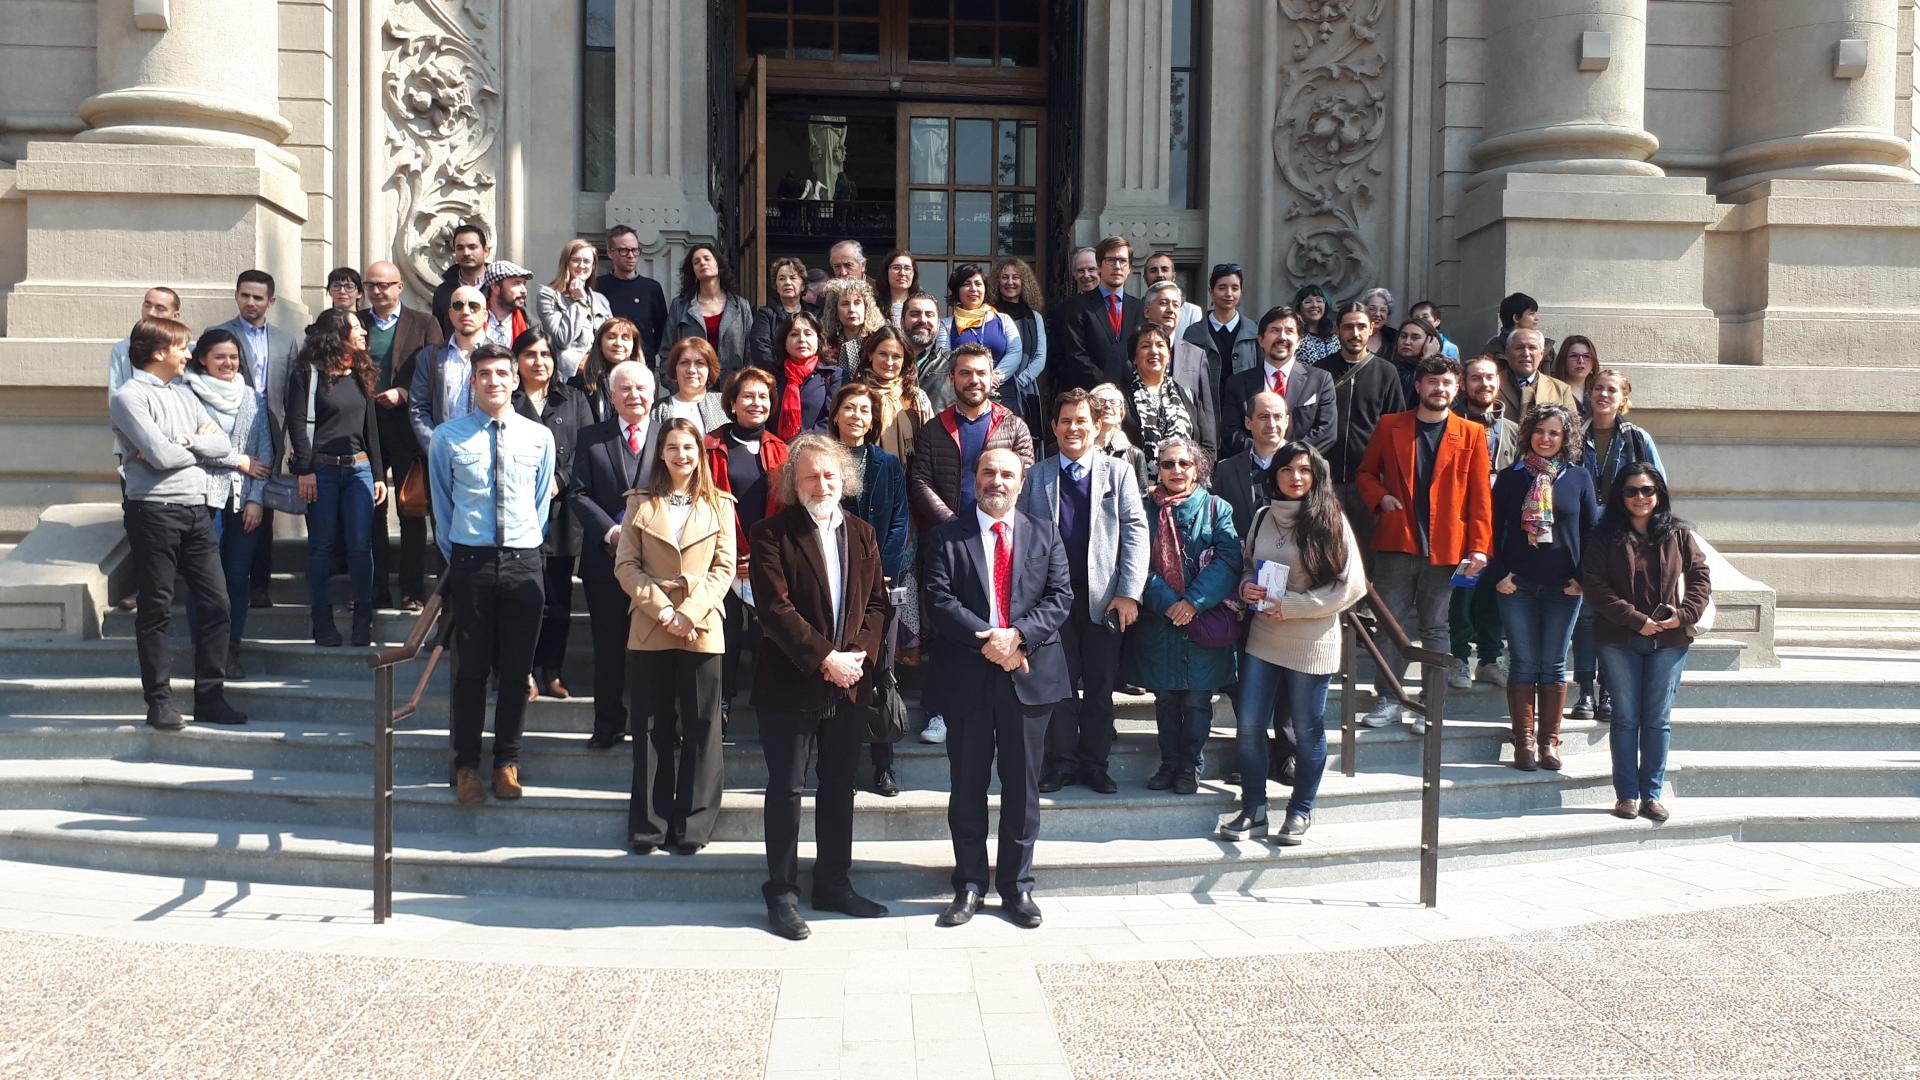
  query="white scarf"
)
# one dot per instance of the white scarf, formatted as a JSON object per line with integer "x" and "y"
{"x": 221, "y": 397}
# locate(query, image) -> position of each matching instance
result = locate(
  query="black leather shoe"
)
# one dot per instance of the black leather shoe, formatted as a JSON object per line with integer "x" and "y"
{"x": 848, "y": 902}
{"x": 217, "y": 711}
{"x": 605, "y": 742}
{"x": 165, "y": 718}
{"x": 884, "y": 784}
{"x": 1099, "y": 780}
{"x": 784, "y": 917}
{"x": 685, "y": 847}
{"x": 1051, "y": 780}
{"x": 1186, "y": 782}
{"x": 1021, "y": 910}
{"x": 260, "y": 597}
{"x": 958, "y": 913}
{"x": 642, "y": 847}
{"x": 1162, "y": 779}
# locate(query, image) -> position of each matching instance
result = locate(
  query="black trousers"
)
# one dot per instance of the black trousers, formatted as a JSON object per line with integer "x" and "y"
{"x": 556, "y": 617}
{"x": 742, "y": 631}
{"x": 608, "y": 609}
{"x": 495, "y": 596}
{"x": 677, "y": 762}
{"x": 262, "y": 573}
{"x": 1080, "y": 734}
{"x": 168, "y": 539}
{"x": 398, "y": 449}
{"x": 1016, "y": 733}
{"x": 787, "y": 740}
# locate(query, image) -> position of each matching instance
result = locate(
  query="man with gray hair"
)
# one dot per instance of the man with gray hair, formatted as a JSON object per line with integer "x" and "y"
{"x": 848, "y": 259}
{"x": 1084, "y": 267}
{"x": 1524, "y": 384}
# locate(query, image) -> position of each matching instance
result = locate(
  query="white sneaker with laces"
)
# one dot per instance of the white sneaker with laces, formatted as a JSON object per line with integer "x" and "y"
{"x": 1385, "y": 711}
{"x": 1491, "y": 673}
{"x": 936, "y": 730}
{"x": 1459, "y": 675}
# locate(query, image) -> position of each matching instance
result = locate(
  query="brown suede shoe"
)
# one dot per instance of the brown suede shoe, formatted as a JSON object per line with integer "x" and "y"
{"x": 506, "y": 782}
{"x": 467, "y": 783}
{"x": 1552, "y": 705}
{"x": 1626, "y": 808}
{"x": 1653, "y": 811}
{"x": 1520, "y": 710}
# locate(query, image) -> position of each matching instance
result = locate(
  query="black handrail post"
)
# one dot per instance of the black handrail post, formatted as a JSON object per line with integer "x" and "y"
{"x": 1349, "y": 740}
{"x": 382, "y": 793}
{"x": 1434, "y": 677}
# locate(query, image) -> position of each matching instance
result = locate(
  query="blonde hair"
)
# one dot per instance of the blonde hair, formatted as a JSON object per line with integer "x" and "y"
{"x": 832, "y": 291}
{"x": 559, "y": 282}
{"x": 786, "y": 486}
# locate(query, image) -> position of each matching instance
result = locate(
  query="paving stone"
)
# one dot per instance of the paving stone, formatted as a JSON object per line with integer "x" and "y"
{"x": 1170, "y": 1053}
{"x": 1263, "y": 1051}
{"x": 1431, "y": 1049}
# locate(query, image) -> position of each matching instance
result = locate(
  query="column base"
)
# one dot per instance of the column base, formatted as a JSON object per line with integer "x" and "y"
{"x": 1621, "y": 259}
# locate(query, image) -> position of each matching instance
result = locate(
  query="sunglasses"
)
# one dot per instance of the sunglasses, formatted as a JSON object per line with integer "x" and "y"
{"x": 1176, "y": 464}
{"x": 465, "y": 305}
{"x": 1646, "y": 491}
{"x": 1226, "y": 268}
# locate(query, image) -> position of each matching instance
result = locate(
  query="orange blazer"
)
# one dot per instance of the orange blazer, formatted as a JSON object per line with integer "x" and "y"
{"x": 1462, "y": 493}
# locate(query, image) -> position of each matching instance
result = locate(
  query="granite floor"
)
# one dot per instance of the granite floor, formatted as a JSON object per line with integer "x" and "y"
{"x": 1751, "y": 960}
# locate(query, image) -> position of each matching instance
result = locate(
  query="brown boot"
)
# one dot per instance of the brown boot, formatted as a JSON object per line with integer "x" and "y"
{"x": 1553, "y": 705}
{"x": 467, "y": 783}
{"x": 506, "y": 782}
{"x": 1520, "y": 710}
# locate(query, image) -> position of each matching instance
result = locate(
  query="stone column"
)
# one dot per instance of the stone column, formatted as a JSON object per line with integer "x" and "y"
{"x": 1566, "y": 89}
{"x": 178, "y": 180}
{"x": 660, "y": 136}
{"x": 1813, "y": 93}
{"x": 1128, "y": 105}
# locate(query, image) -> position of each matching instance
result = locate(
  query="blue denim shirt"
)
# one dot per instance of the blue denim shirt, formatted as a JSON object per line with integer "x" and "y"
{"x": 460, "y": 475}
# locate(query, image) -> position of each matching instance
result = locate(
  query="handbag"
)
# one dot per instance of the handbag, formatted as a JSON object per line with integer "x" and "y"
{"x": 1218, "y": 627}
{"x": 412, "y": 500}
{"x": 885, "y": 717}
{"x": 281, "y": 494}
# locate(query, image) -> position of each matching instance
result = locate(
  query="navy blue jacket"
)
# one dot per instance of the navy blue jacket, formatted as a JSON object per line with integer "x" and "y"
{"x": 883, "y": 505}
{"x": 1575, "y": 513}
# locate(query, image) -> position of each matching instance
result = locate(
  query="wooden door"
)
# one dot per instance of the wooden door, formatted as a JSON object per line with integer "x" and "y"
{"x": 970, "y": 183}
{"x": 751, "y": 259}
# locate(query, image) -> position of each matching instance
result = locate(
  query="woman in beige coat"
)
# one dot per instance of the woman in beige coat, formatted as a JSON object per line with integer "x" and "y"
{"x": 1293, "y": 639}
{"x": 676, "y": 563}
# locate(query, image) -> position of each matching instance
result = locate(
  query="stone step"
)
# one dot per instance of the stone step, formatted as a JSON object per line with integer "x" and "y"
{"x": 269, "y": 852}
{"x": 1851, "y": 628}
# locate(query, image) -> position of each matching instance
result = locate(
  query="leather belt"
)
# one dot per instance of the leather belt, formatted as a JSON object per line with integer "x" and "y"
{"x": 343, "y": 461}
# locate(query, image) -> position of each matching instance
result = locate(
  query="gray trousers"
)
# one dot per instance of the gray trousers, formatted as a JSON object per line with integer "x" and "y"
{"x": 1417, "y": 592}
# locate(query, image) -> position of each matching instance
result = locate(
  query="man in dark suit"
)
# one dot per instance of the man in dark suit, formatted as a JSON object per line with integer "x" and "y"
{"x": 1309, "y": 391}
{"x": 997, "y": 589}
{"x": 394, "y": 334}
{"x": 612, "y": 458}
{"x": 1095, "y": 325}
{"x": 267, "y": 353}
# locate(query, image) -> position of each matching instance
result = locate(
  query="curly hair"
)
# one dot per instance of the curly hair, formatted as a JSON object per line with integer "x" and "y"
{"x": 327, "y": 342}
{"x": 830, "y": 295}
{"x": 1029, "y": 284}
{"x": 1202, "y": 461}
{"x": 1570, "y": 443}
{"x": 786, "y": 485}
{"x": 690, "y": 285}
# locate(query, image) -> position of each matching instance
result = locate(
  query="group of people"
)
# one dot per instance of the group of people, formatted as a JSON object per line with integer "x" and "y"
{"x": 1037, "y": 505}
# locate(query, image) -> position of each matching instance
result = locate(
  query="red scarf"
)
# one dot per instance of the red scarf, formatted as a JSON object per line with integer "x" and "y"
{"x": 1165, "y": 559}
{"x": 787, "y": 424}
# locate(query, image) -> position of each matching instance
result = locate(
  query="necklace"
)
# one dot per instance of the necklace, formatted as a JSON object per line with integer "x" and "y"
{"x": 679, "y": 499}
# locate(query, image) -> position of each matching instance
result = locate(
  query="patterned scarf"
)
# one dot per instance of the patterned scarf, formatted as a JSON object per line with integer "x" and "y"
{"x": 965, "y": 319}
{"x": 1162, "y": 414}
{"x": 787, "y": 425}
{"x": 1165, "y": 559}
{"x": 1536, "y": 512}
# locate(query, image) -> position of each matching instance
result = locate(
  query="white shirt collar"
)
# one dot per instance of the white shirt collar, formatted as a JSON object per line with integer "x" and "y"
{"x": 987, "y": 521}
{"x": 833, "y": 521}
{"x": 385, "y": 321}
{"x": 1287, "y": 370}
{"x": 1218, "y": 325}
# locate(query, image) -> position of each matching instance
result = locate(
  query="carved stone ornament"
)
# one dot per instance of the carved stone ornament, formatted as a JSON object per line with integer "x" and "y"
{"x": 444, "y": 112}
{"x": 1327, "y": 129}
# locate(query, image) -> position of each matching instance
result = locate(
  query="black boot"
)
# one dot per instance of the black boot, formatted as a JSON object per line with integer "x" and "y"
{"x": 324, "y": 632}
{"x": 362, "y": 624}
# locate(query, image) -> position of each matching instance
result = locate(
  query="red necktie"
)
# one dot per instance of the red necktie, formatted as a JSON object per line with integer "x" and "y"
{"x": 1280, "y": 383}
{"x": 1002, "y": 571}
{"x": 633, "y": 438}
{"x": 1113, "y": 313}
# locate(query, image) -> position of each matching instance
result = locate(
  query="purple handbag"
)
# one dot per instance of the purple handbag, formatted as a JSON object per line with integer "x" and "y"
{"x": 1218, "y": 627}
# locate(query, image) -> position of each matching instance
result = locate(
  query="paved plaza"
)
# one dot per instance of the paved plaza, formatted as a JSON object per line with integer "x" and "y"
{"x": 1776, "y": 960}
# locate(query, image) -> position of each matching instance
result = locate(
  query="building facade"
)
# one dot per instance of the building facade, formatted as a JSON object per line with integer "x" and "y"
{"x": 1720, "y": 192}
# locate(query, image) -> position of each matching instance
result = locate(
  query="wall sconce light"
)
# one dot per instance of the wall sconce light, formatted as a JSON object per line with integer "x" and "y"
{"x": 1850, "y": 58}
{"x": 1596, "y": 50}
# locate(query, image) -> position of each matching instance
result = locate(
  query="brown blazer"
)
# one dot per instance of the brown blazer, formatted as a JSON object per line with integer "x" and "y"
{"x": 690, "y": 574}
{"x": 789, "y": 574}
{"x": 1544, "y": 390}
{"x": 415, "y": 331}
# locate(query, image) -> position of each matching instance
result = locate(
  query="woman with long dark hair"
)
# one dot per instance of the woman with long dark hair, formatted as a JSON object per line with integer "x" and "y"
{"x": 709, "y": 305}
{"x": 616, "y": 342}
{"x": 1319, "y": 336}
{"x": 1645, "y": 572}
{"x": 1575, "y": 364}
{"x": 804, "y": 380}
{"x": 335, "y": 436}
{"x": 214, "y": 377}
{"x": 1543, "y": 511}
{"x": 562, "y": 409}
{"x": 676, "y": 560}
{"x": 1293, "y": 641}
{"x": 1612, "y": 443}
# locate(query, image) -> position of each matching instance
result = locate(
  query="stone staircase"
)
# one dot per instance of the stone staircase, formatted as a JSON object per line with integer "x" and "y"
{"x": 1826, "y": 746}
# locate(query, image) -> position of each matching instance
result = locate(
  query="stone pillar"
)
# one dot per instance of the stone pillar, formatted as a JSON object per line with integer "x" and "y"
{"x": 1128, "y": 105}
{"x": 1566, "y": 206}
{"x": 660, "y": 137}
{"x": 1566, "y": 89}
{"x": 1813, "y": 93}
{"x": 178, "y": 179}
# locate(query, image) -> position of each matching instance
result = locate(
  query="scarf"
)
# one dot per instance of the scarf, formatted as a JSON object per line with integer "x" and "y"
{"x": 1161, "y": 412}
{"x": 965, "y": 319}
{"x": 220, "y": 396}
{"x": 891, "y": 394}
{"x": 787, "y": 423}
{"x": 1165, "y": 559}
{"x": 1536, "y": 510}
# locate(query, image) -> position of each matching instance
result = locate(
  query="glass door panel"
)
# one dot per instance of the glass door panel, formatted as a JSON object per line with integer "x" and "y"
{"x": 973, "y": 177}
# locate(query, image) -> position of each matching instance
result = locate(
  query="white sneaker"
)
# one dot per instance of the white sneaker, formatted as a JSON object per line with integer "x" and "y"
{"x": 1384, "y": 712}
{"x": 936, "y": 731}
{"x": 1419, "y": 722}
{"x": 1459, "y": 675}
{"x": 1491, "y": 673}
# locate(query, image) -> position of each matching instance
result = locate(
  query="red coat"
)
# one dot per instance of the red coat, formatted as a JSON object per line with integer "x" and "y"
{"x": 1462, "y": 491}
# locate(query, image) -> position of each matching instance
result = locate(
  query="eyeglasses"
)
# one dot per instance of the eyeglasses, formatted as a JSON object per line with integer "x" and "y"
{"x": 625, "y": 250}
{"x": 1180, "y": 464}
{"x": 343, "y": 286}
{"x": 1646, "y": 491}
{"x": 1118, "y": 260}
{"x": 383, "y": 285}
{"x": 465, "y": 305}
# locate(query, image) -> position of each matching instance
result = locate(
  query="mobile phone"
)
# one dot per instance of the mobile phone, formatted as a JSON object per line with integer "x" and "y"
{"x": 1112, "y": 619}
{"x": 1662, "y": 613}
{"x": 898, "y": 596}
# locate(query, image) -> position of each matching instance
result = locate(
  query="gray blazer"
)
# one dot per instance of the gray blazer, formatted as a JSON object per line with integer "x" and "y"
{"x": 735, "y": 320}
{"x": 282, "y": 349}
{"x": 569, "y": 327}
{"x": 427, "y": 396}
{"x": 712, "y": 416}
{"x": 1193, "y": 370}
{"x": 1117, "y": 535}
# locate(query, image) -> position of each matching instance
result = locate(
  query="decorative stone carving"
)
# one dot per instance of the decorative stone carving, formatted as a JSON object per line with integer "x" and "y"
{"x": 1329, "y": 122}
{"x": 439, "y": 94}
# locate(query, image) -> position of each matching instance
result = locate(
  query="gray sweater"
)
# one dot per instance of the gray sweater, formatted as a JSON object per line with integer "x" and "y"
{"x": 162, "y": 457}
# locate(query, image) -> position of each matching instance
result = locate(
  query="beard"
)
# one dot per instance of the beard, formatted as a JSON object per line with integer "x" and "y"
{"x": 820, "y": 508}
{"x": 920, "y": 339}
{"x": 996, "y": 503}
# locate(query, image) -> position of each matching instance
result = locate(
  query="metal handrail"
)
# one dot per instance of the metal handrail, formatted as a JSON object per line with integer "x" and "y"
{"x": 385, "y": 717}
{"x": 1433, "y": 677}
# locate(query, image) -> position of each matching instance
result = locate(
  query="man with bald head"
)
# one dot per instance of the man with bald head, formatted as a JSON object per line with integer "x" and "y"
{"x": 1524, "y": 384}
{"x": 996, "y": 591}
{"x": 395, "y": 336}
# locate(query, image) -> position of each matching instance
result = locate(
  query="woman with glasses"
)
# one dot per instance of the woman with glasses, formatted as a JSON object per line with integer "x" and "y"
{"x": 710, "y": 306}
{"x": 344, "y": 288}
{"x": 789, "y": 278}
{"x": 335, "y": 438}
{"x": 901, "y": 279}
{"x": 1379, "y": 305}
{"x": 1110, "y": 436}
{"x": 1645, "y": 573}
{"x": 1179, "y": 648}
{"x": 1320, "y": 339}
{"x": 1575, "y": 365}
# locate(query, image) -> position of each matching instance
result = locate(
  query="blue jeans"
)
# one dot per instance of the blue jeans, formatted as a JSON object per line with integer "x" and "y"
{"x": 343, "y": 505}
{"x": 1643, "y": 679}
{"x": 1261, "y": 684}
{"x": 1539, "y": 624}
{"x": 237, "y": 546}
{"x": 1184, "y": 718}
